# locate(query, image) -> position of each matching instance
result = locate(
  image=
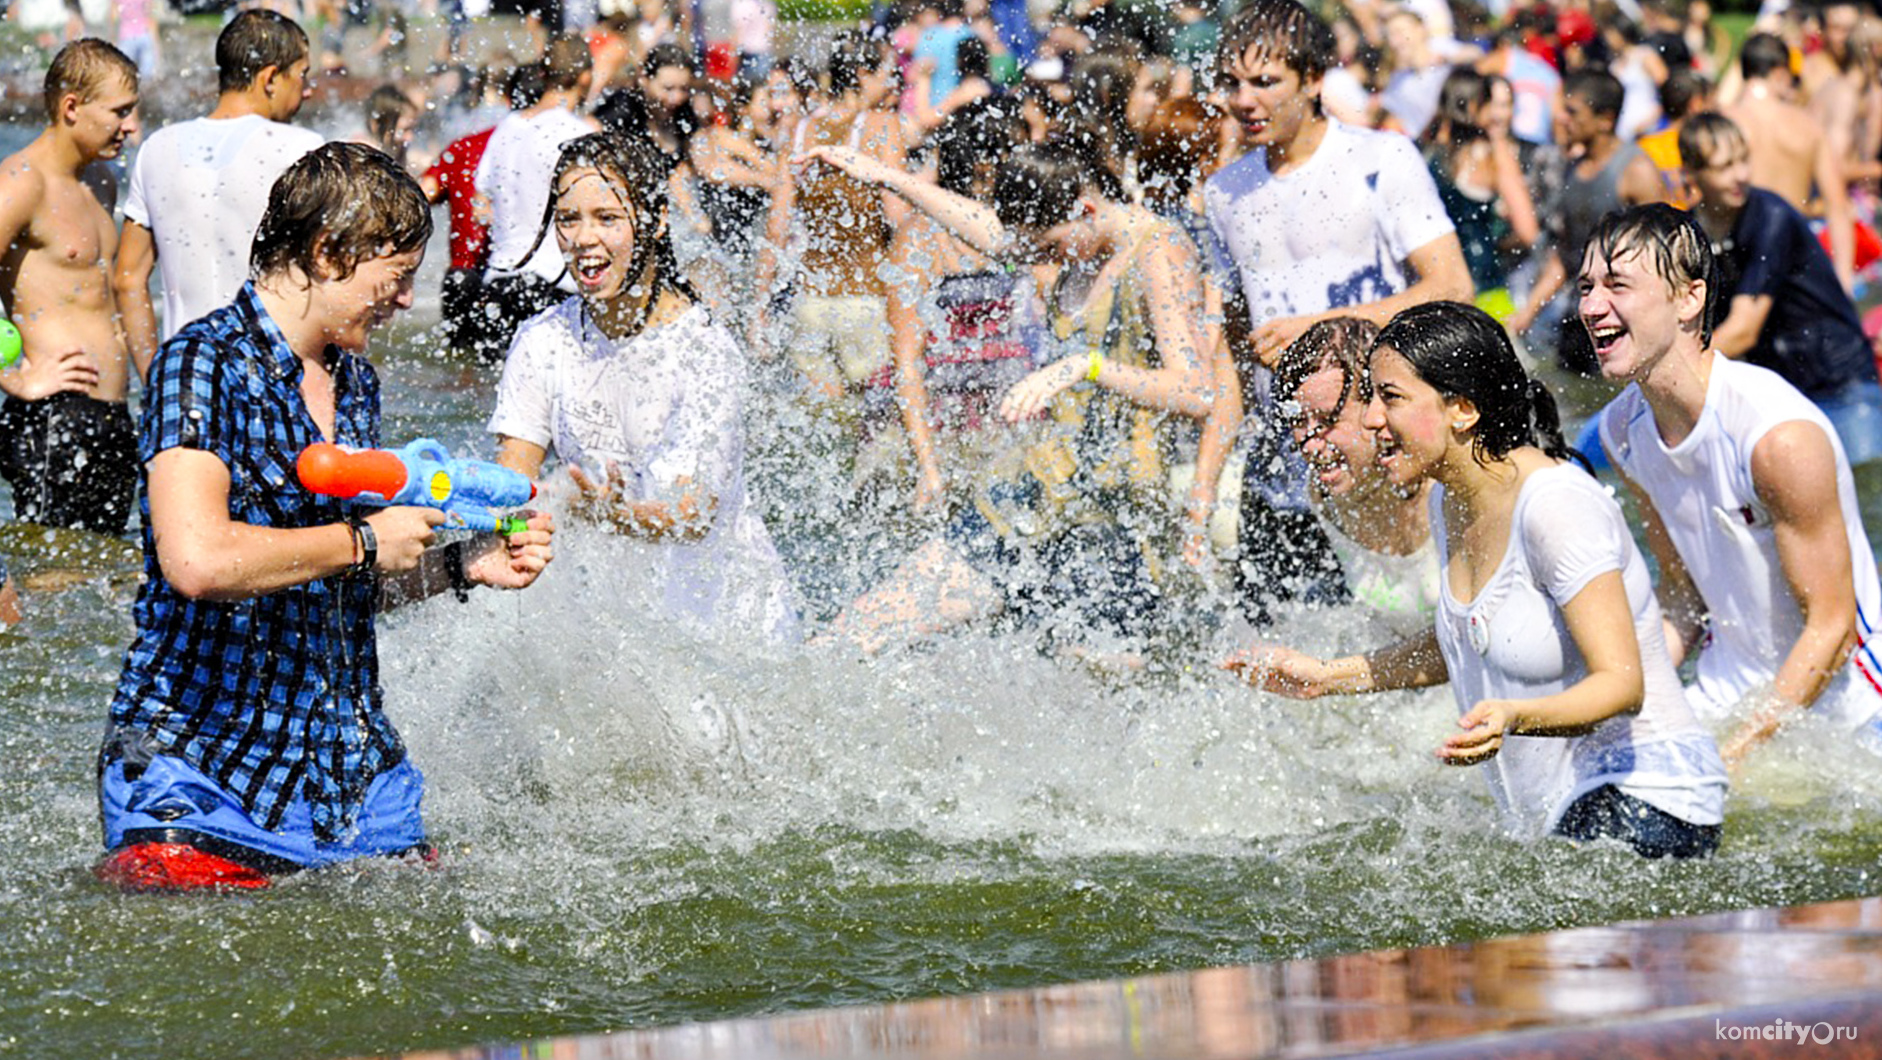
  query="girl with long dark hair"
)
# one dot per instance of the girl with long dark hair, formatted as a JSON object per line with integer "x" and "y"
{"x": 1547, "y": 627}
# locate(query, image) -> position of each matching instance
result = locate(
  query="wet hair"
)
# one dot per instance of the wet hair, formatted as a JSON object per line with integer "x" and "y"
{"x": 970, "y": 58}
{"x": 1463, "y": 93}
{"x": 84, "y": 69}
{"x": 1183, "y": 136}
{"x": 383, "y": 109}
{"x": 1600, "y": 90}
{"x": 661, "y": 56}
{"x": 1670, "y": 241}
{"x": 1097, "y": 121}
{"x": 252, "y": 42}
{"x": 524, "y": 86}
{"x": 339, "y": 205}
{"x": 637, "y": 173}
{"x": 974, "y": 140}
{"x": 1701, "y": 134}
{"x": 1462, "y": 352}
{"x": 1682, "y": 87}
{"x": 1336, "y": 342}
{"x": 565, "y": 60}
{"x": 1279, "y": 29}
{"x": 853, "y": 54}
{"x": 1763, "y": 53}
{"x": 1039, "y": 185}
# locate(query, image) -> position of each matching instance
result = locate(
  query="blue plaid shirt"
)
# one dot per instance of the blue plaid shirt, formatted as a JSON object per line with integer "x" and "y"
{"x": 275, "y": 696}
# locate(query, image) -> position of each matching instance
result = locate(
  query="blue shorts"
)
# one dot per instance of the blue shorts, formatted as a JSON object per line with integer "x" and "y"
{"x": 171, "y": 801}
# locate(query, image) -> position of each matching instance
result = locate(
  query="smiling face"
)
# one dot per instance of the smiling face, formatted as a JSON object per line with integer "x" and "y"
{"x": 1633, "y": 315}
{"x": 668, "y": 88}
{"x": 1723, "y": 177}
{"x": 355, "y": 307}
{"x": 1341, "y": 452}
{"x": 594, "y": 227}
{"x": 1269, "y": 98}
{"x": 1412, "y": 421}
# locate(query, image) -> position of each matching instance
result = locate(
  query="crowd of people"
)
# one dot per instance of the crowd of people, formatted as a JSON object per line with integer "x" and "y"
{"x": 1118, "y": 305}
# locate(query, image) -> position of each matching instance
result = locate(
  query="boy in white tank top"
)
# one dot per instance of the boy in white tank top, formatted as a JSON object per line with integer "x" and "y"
{"x": 1746, "y": 493}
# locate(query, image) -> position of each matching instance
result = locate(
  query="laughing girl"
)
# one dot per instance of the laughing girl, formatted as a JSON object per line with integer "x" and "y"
{"x": 640, "y": 393}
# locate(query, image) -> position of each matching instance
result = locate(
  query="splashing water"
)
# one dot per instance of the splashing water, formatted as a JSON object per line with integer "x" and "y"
{"x": 640, "y": 826}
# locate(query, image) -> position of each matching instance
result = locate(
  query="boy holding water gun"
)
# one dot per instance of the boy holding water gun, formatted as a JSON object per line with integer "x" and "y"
{"x": 248, "y": 736}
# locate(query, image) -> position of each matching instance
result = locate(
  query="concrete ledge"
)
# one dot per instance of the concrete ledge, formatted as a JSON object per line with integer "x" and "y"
{"x": 1723, "y": 985}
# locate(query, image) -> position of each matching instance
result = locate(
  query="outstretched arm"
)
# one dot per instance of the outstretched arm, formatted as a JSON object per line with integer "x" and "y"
{"x": 1415, "y": 662}
{"x": 975, "y": 222}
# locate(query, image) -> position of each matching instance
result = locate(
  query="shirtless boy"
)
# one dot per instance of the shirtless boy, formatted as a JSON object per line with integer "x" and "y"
{"x": 66, "y": 440}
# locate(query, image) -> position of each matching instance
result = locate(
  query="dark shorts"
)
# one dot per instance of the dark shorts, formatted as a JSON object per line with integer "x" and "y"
{"x": 1607, "y": 812}
{"x": 1094, "y": 575}
{"x": 516, "y": 298}
{"x": 1285, "y": 558}
{"x": 72, "y": 461}
{"x": 470, "y": 315}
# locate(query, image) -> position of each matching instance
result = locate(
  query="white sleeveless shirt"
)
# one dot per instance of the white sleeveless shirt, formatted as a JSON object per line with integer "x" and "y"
{"x": 1511, "y": 642}
{"x": 1703, "y": 491}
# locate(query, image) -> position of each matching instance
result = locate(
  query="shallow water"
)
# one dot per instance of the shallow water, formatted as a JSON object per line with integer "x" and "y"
{"x": 641, "y": 828}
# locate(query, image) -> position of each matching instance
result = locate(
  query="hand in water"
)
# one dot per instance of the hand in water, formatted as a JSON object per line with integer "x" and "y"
{"x": 48, "y": 374}
{"x": 1484, "y": 726}
{"x": 1030, "y": 396}
{"x": 596, "y": 500}
{"x": 1281, "y": 670}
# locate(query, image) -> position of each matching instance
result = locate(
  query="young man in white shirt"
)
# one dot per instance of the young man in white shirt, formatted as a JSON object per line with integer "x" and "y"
{"x": 1319, "y": 219}
{"x": 198, "y": 188}
{"x": 526, "y": 274}
{"x": 1746, "y": 495}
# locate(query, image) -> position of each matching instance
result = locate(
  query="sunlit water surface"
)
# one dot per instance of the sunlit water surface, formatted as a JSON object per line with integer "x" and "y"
{"x": 642, "y": 828}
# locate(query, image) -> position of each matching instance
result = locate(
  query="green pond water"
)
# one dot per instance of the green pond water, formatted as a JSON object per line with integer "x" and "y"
{"x": 642, "y": 829}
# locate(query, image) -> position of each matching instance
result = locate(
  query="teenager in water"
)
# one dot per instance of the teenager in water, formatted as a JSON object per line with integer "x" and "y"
{"x": 640, "y": 394}
{"x": 1548, "y": 630}
{"x": 1379, "y": 529}
{"x": 1070, "y": 518}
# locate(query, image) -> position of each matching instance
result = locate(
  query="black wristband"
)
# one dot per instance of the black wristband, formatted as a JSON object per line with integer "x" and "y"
{"x": 454, "y": 567}
{"x": 368, "y": 547}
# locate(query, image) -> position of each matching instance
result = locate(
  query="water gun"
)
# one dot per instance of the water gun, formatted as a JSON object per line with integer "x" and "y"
{"x": 9, "y": 344}
{"x": 424, "y": 474}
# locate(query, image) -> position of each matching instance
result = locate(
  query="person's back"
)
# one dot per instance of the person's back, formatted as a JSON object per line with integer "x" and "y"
{"x": 201, "y": 186}
{"x": 1784, "y": 138}
{"x": 846, "y": 234}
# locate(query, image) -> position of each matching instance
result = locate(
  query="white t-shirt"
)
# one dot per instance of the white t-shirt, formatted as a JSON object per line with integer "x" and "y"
{"x": 663, "y": 405}
{"x": 1401, "y": 592}
{"x": 1703, "y": 492}
{"x": 200, "y": 187}
{"x": 1334, "y": 232}
{"x": 1512, "y": 642}
{"x": 514, "y": 174}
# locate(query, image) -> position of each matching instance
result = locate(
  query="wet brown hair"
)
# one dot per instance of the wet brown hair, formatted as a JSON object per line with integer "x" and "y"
{"x": 84, "y": 68}
{"x": 340, "y": 205}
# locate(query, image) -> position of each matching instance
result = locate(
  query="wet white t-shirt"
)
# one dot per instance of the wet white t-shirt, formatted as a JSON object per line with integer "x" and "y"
{"x": 661, "y": 406}
{"x": 1512, "y": 642}
{"x": 514, "y": 174}
{"x": 200, "y": 187}
{"x": 1704, "y": 494}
